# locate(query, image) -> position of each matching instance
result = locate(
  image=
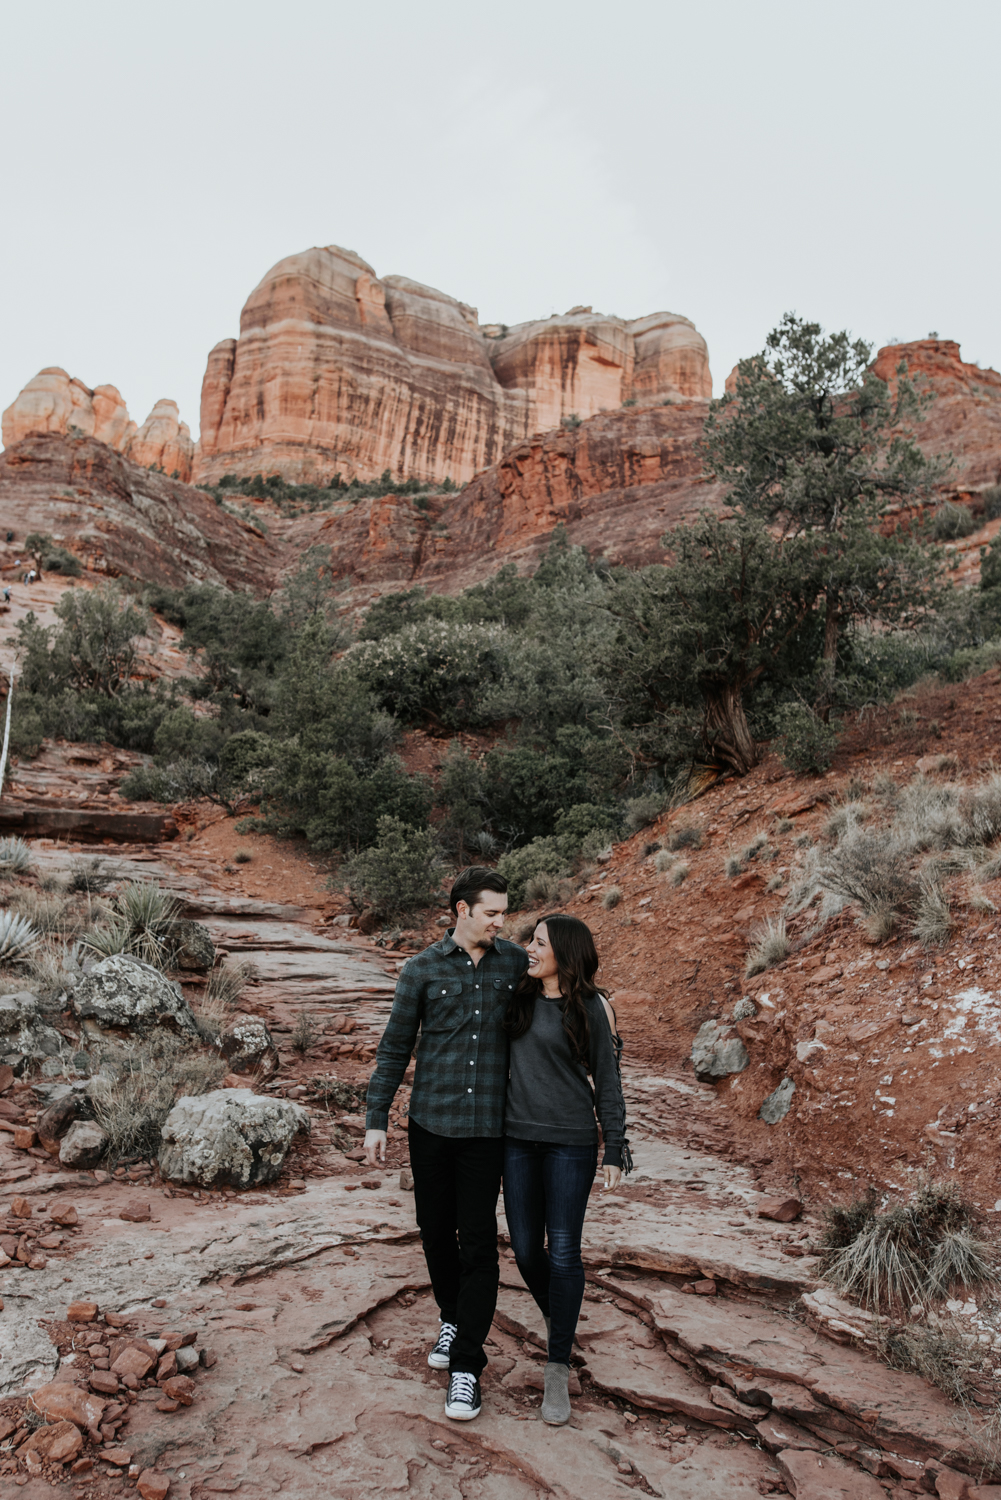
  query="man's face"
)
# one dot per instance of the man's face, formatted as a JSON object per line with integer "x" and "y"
{"x": 481, "y": 923}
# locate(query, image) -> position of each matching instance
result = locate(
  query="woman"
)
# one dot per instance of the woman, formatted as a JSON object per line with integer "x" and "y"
{"x": 560, "y": 1027}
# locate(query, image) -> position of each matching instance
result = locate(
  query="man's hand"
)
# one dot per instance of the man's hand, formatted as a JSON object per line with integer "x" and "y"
{"x": 375, "y": 1148}
{"x": 613, "y": 1175}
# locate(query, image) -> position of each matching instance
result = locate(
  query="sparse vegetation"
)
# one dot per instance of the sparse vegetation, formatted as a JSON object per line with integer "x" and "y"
{"x": 305, "y": 1033}
{"x": 137, "y": 1087}
{"x": 15, "y": 857}
{"x": 950, "y": 522}
{"x": 685, "y": 836}
{"x": 17, "y": 937}
{"x": 664, "y": 860}
{"x": 611, "y": 896}
{"x": 140, "y": 920}
{"x": 400, "y": 872}
{"x": 680, "y": 874}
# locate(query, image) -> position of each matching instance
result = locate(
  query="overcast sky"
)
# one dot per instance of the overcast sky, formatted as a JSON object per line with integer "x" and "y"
{"x": 728, "y": 161}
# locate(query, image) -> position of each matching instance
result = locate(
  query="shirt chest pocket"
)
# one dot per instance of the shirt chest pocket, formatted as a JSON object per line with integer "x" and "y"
{"x": 444, "y": 1007}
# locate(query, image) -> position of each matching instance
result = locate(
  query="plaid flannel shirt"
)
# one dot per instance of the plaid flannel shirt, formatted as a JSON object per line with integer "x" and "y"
{"x": 460, "y": 1082}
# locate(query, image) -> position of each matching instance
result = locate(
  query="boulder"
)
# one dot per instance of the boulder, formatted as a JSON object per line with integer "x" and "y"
{"x": 83, "y": 1145}
{"x": 776, "y": 1106}
{"x": 717, "y": 1051}
{"x": 193, "y": 945}
{"x": 124, "y": 994}
{"x": 56, "y": 1120}
{"x": 58, "y": 1443}
{"x": 248, "y": 1045}
{"x": 23, "y": 1033}
{"x": 229, "y": 1138}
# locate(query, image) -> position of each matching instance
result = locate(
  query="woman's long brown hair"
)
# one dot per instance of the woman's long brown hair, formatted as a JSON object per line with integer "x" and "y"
{"x": 576, "y": 965}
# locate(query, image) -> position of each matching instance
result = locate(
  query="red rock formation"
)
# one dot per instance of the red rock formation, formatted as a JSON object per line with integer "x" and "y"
{"x": 56, "y": 402}
{"x": 617, "y": 483}
{"x": 338, "y": 371}
{"x": 121, "y": 520}
{"x": 964, "y": 415}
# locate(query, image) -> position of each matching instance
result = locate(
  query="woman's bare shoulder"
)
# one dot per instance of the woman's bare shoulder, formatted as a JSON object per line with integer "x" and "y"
{"x": 609, "y": 1012}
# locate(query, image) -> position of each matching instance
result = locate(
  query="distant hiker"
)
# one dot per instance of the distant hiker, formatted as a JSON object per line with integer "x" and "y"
{"x": 455, "y": 995}
{"x": 30, "y": 578}
{"x": 562, "y": 1029}
{"x": 10, "y": 536}
{"x": 6, "y": 594}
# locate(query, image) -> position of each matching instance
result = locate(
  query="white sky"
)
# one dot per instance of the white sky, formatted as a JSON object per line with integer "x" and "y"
{"x": 728, "y": 161}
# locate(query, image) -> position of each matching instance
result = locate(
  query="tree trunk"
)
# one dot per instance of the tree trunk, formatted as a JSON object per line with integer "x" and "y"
{"x": 832, "y": 633}
{"x": 725, "y": 732}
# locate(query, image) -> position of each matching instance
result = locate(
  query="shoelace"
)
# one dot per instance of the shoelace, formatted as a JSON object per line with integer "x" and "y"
{"x": 461, "y": 1387}
{"x": 445, "y": 1337}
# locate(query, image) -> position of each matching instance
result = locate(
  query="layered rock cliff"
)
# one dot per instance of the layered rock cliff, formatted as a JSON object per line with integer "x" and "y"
{"x": 339, "y": 371}
{"x": 122, "y": 520}
{"x": 57, "y": 402}
{"x": 963, "y": 415}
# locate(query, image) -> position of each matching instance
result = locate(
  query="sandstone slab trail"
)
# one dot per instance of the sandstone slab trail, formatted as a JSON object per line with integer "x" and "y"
{"x": 274, "y": 1340}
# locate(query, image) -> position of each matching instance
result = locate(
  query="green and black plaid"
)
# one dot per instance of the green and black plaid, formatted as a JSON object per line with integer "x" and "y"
{"x": 460, "y": 1082}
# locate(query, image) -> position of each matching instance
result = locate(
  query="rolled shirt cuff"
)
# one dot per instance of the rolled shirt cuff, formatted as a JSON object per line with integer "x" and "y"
{"x": 377, "y": 1119}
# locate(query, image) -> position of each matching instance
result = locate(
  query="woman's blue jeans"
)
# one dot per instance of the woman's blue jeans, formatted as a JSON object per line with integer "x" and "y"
{"x": 546, "y": 1187}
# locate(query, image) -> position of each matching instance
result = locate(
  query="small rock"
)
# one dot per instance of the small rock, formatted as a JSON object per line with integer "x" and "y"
{"x": 371, "y": 1182}
{"x": 83, "y": 1145}
{"x": 137, "y": 1213}
{"x": 951, "y": 1486}
{"x": 59, "y": 1401}
{"x": 59, "y": 1444}
{"x": 706, "y": 1288}
{"x": 24, "y": 1137}
{"x": 744, "y": 1010}
{"x": 167, "y": 1367}
{"x": 132, "y": 1361}
{"x": 65, "y": 1214}
{"x": 180, "y": 1388}
{"x": 120, "y": 1457}
{"x": 407, "y": 1180}
{"x": 207, "y": 1358}
{"x": 193, "y": 946}
{"x": 113, "y": 1320}
{"x": 165, "y": 1404}
{"x": 721, "y": 1396}
{"x": 249, "y": 1046}
{"x": 49, "y": 1241}
{"x": 54, "y": 1121}
{"x": 81, "y": 1312}
{"x": 21, "y": 1208}
{"x": 152, "y": 1486}
{"x": 298, "y": 1183}
{"x": 717, "y": 1052}
{"x": 82, "y": 1466}
{"x": 782, "y": 1210}
{"x": 776, "y": 1106}
{"x": 186, "y": 1358}
{"x": 689, "y": 1289}
{"x": 104, "y": 1382}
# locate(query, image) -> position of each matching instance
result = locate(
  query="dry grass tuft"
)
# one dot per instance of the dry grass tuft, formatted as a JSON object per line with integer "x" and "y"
{"x": 733, "y": 866}
{"x": 771, "y": 946}
{"x": 138, "y": 1086}
{"x": 665, "y": 859}
{"x": 933, "y": 922}
{"x": 611, "y": 897}
{"x": 680, "y": 874}
{"x": 305, "y": 1034}
{"x": 686, "y": 836}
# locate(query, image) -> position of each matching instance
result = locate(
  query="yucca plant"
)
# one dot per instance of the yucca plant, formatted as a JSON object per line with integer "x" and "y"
{"x": 17, "y": 937}
{"x": 141, "y": 924}
{"x": 15, "y": 856}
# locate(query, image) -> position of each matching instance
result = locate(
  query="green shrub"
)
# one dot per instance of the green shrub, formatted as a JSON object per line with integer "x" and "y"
{"x": 435, "y": 669}
{"x": 640, "y": 811}
{"x": 685, "y": 836}
{"x": 950, "y": 522}
{"x": 542, "y": 858}
{"x": 808, "y": 744}
{"x": 992, "y": 502}
{"x": 399, "y": 873}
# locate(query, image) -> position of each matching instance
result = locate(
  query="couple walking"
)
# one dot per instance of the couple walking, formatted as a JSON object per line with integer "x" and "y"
{"x": 508, "y": 1037}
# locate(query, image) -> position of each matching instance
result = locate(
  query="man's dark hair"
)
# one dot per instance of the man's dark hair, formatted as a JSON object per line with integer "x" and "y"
{"x": 471, "y": 882}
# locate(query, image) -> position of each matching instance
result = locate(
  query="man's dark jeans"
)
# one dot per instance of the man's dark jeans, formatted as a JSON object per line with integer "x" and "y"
{"x": 545, "y": 1198}
{"x": 456, "y": 1183}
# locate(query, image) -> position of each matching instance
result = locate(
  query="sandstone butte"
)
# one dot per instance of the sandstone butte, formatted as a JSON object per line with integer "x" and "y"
{"x": 337, "y": 371}
{"x": 55, "y": 402}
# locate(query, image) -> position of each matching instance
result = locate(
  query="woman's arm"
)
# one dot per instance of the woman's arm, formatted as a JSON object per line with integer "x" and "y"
{"x": 608, "y": 1101}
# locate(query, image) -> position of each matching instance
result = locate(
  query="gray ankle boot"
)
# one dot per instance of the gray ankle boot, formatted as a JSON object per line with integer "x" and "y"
{"x": 556, "y": 1401}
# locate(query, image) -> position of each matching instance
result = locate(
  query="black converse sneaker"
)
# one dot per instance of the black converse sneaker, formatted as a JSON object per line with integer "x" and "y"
{"x": 463, "y": 1402}
{"x": 438, "y": 1358}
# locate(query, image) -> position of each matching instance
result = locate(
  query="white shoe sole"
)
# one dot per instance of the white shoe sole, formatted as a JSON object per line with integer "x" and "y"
{"x": 462, "y": 1413}
{"x": 438, "y": 1361}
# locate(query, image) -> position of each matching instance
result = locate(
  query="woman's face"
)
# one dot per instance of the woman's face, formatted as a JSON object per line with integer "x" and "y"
{"x": 541, "y": 960}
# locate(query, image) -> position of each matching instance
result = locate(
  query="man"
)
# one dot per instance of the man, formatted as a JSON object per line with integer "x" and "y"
{"x": 455, "y": 994}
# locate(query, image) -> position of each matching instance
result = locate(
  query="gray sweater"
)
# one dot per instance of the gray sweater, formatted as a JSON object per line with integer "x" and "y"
{"x": 549, "y": 1097}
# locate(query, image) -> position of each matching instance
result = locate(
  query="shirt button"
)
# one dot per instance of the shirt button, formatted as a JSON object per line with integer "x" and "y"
{"x": 474, "y": 1036}
{"x": 469, "y": 1091}
{"x": 475, "y": 1012}
{"x": 471, "y": 1063}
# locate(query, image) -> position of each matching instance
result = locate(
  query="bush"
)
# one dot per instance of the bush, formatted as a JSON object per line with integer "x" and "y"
{"x": 15, "y": 856}
{"x": 17, "y": 937}
{"x": 399, "y": 874}
{"x": 808, "y": 744}
{"x": 680, "y": 874}
{"x": 542, "y": 859}
{"x": 638, "y": 812}
{"x": 950, "y": 522}
{"x": 141, "y": 923}
{"x": 137, "y": 1088}
{"x": 992, "y": 502}
{"x": 436, "y": 669}
{"x": 611, "y": 896}
{"x": 685, "y": 836}
{"x": 932, "y": 914}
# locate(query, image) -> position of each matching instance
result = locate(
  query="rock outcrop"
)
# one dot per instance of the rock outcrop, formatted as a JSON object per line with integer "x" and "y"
{"x": 56, "y": 402}
{"x": 337, "y": 371}
{"x": 123, "y": 521}
{"x": 963, "y": 416}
